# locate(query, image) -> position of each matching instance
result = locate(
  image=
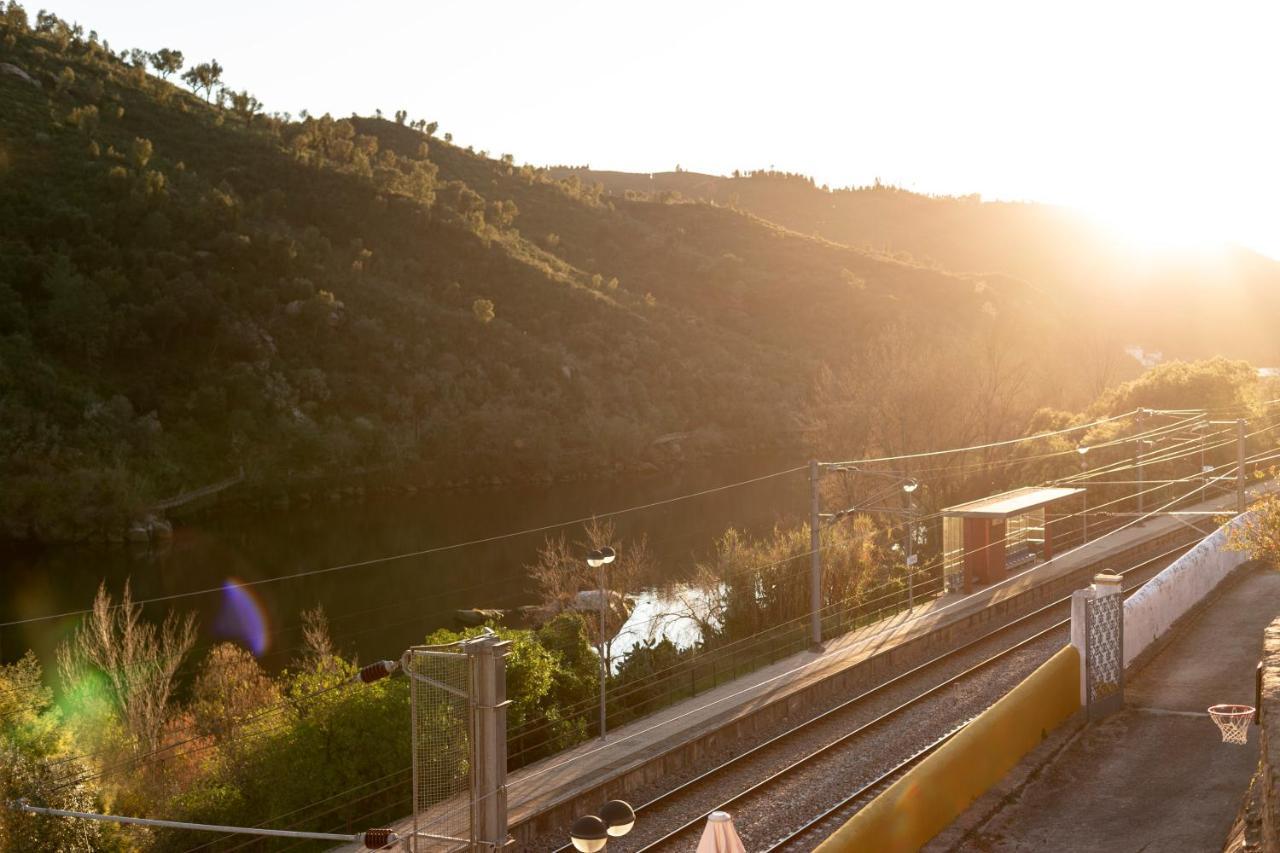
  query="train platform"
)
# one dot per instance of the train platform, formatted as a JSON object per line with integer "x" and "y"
{"x": 574, "y": 777}
{"x": 1155, "y": 776}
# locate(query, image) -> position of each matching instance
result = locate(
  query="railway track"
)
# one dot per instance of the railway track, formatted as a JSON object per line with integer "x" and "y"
{"x": 811, "y": 833}
{"x": 752, "y": 776}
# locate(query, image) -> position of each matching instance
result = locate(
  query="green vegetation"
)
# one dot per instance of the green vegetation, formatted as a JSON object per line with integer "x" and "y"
{"x": 190, "y": 287}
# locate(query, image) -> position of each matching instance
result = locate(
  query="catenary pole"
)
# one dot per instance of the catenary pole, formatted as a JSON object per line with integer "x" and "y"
{"x": 815, "y": 555}
{"x": 1240, "y": 459}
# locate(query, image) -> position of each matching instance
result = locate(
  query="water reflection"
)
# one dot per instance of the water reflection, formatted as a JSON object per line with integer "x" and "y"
{"x": 376, "y": 609}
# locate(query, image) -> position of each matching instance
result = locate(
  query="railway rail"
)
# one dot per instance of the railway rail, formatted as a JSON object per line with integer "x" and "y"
{"x": 754, "y": 763}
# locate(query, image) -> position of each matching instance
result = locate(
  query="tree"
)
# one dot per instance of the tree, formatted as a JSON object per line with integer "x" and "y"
{"x": 34, "y": 765}
{"x": 204, "y": 76}
{"x": 166, "y": 62}
{"x": 133, "y": 661}
{"x": 483, "y": 310}
{"x": 561, "y": 572}
{"x": 1258, "y": 533}
{"x": 244, "y": 104}
{"x": 401, "y": 116}
{"x": 140, "y": 151}
{"x": 432, "y": 127}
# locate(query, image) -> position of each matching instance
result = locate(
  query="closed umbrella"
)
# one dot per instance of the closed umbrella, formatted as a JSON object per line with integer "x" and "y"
{"x": 720, "y": 836}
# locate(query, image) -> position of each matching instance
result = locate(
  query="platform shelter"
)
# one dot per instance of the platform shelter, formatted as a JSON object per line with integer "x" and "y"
{"x": 984, "y": 540}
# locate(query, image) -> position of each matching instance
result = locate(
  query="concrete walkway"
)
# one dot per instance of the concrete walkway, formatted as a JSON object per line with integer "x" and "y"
{"x": 1156, "y": 776}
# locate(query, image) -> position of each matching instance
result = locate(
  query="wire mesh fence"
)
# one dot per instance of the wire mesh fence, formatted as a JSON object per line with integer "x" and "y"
{"x": 441, "y": 698}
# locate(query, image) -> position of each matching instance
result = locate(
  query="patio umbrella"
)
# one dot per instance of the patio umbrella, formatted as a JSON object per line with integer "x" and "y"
{"x": 720, "y": 836}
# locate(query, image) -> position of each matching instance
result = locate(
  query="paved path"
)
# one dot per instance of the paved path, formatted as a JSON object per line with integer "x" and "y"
{"x": 1155, "y": 777}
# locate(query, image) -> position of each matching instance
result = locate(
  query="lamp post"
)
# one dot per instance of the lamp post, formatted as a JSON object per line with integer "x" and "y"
{"x": 598, "y": 559}
{"x": 909, "y": 488}
{"x": 1083, "y": 450}
{"x": 590, "y": 833}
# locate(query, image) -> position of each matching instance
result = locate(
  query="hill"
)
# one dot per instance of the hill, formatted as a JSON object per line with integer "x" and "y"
{"x": 1187, "y": 304}
{"x": 190, "y": 288}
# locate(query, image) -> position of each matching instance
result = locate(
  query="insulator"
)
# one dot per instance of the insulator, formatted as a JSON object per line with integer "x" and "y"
{"x": 377, "y": 839}
{"x": 377, "y": 670}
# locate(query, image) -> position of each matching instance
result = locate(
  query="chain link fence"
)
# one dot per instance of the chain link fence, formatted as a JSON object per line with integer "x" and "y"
{"x": 441, "y": 699}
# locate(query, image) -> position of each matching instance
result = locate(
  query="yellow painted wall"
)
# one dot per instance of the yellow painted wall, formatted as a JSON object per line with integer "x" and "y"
{"x": 938, "y": 789}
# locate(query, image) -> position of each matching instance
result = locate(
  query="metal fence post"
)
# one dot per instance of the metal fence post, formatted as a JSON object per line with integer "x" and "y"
{"x": 487, "y": 658}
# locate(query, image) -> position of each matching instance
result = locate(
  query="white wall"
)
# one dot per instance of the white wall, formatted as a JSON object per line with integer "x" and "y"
{"x": 1150, "y": 611}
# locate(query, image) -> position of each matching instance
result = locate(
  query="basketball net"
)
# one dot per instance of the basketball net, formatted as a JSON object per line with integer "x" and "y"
{"x": 1233, "y": 721}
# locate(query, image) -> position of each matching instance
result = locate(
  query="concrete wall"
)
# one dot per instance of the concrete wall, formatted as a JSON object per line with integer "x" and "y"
{"x": 1152, "y": 610}
{"x": 939, "y": 789}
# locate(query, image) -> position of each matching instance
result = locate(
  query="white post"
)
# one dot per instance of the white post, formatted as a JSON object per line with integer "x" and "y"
{"x": 1079, "y": 631}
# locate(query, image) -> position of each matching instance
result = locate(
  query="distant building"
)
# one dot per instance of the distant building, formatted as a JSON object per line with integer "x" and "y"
{"x": 1146, "y": 359}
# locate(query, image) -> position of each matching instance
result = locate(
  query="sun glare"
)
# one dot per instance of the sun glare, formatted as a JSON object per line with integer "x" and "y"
{"x": 1153, "y": 226}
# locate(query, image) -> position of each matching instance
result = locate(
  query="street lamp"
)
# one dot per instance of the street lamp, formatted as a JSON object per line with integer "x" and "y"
{"x": 1083, "y": 450}
{"x": 618, "y": 816}
{"x": 909, "y": 488}
{"x": 598, "y": 559}
{"x": 590, "y": 834}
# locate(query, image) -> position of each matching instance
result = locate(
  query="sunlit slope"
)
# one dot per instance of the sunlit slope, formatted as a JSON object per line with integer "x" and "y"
{"x": 1186, "y": 302}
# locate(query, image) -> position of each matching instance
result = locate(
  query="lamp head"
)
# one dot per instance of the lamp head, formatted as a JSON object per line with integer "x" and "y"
{"x": 618, "y": 817}
{"x": 1082, "y": 449}
{"x": 600, "y": 556}
{"x": 589, "y": 834}
{"x": 910, "y": 486}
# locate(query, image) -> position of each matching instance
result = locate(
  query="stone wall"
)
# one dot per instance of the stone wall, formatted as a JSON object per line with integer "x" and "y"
{"x": 1269, "y": 764}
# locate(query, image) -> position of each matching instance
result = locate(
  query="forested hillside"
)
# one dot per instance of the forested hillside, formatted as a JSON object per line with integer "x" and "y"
{"x": 191, "y": 288}
{"x": 1186, "y": 304}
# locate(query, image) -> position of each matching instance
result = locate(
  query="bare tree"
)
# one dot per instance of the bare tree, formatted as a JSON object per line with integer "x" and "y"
{"x": 561, "y": 572}
{"x": 137, "y": 660}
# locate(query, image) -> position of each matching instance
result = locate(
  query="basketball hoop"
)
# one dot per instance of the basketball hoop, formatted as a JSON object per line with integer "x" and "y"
{"x": 1233, "y": 721}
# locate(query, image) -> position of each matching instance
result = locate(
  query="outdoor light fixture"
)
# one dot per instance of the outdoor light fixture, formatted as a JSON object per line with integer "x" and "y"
{"x": 598, "y": 559}
{"x": 589, "y": 834}
{"x": 910, "y": 486}
{"x": 618, "y": 817}
{"x": 1082, "y": 450}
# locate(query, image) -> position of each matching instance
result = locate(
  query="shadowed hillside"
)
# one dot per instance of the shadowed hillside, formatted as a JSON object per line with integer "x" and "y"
{"x": 190, "y": 288}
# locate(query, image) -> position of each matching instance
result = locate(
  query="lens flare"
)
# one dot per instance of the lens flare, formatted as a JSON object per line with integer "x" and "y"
{"x": 242, "y": 617}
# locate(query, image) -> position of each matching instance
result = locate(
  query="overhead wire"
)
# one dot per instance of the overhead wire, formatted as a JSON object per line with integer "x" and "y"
{"x": 1107, "y": 534}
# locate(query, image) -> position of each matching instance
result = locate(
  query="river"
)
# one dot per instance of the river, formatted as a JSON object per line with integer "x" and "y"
{"x": 377, "y": 610}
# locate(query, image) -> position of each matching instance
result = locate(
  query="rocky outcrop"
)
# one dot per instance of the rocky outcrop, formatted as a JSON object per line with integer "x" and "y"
{"x": 8, "y": 69}
{"x": 1269, "y": 764}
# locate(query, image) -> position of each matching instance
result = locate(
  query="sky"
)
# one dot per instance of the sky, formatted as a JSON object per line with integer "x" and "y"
{"x": 1160, "y": 119}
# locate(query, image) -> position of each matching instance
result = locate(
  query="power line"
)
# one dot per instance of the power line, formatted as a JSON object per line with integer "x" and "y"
{"x": 1154, "y": 512}
{"x": 439, "y": 549}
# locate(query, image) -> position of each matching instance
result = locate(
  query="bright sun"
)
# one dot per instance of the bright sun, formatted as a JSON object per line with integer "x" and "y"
{"x": 1152, "y": 225}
